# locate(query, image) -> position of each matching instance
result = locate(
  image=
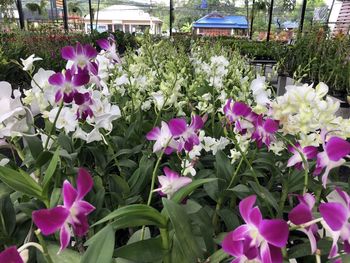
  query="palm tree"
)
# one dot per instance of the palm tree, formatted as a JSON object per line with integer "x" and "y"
{"x": 75, "y": 8}
{"x": 34, "y": 7}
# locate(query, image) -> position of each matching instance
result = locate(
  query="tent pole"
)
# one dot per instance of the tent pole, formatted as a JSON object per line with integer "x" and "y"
{"x": 91, "y": 17}
{"x": 252, "y": 21}
{"x": 20, "y": 14}
{"x": 171, "y": 8}
{"x": 270, "y": 21}
{"x": 65, "y": 15}
{"x": 302, "y": 18}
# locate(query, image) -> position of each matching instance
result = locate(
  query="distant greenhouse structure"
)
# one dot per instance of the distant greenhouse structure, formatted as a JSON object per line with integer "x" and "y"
{"x": 215, "y": 24}
{"x": 126, "y": 18}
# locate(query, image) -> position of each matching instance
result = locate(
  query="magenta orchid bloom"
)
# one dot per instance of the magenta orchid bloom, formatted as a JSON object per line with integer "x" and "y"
{"x": 67, "y": 83}
{"x": 10, "y": 255}
{"x": 171, "y": 182}
{"x": 73, "y": 212}
{"x": 187, "y": 135}
{"x": 302, "y": 214}
{"x": 234, "y": 110}
{"x": 337, "y": 221}
{"x": 335, "y": 149}
{"x": 309, "y": 152}
{"x": 163, "y": 137}
{"x": 109, "y": 46}
{"x": 264, "y": 131}
{"x": 259, "y": 239}
{"x": 81, "y": 57}
{"x": 84, "y": 101}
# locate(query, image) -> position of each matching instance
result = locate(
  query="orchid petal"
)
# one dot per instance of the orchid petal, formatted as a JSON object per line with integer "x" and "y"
{"x": 177, "y": 126}
{"x": 50, "y": 220}
{"x": 275, "y": 231}
{"x": 10, "y": 255}
{"x": 103, "y": 43}
{"x": 245, "y": 207}
{"x": 300, "y": 214}
{"x": 68, "y": 53}
{"x": 80, "y": 79}
{"x": 64, "y": 237}
{"x": 335, "y": 215}
{"x": 172, "y": 175}
{"x": 337, "y": 148}
{"x": 231, "y": 247}
{"x": 57, "y": 79}
{"x": 270, "y": 126}
{"x": 196, "y": 122}
{"x": 84, "y": 207}
{"x": 153, "y": 134}
{"x": 90, "y": 51}
{"x": 84, "y": 183}
{"x": 69, "y": 194}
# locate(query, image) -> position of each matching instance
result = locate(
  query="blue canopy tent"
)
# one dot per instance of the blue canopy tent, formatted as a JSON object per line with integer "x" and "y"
{"x": 216, "y": 24}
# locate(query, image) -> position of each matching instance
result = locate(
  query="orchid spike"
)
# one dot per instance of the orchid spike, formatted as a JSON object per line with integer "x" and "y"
{"x": 171, "y": 182}
{"x": 309, "y": 152}
{"x": 81, "y": 57}
{"x": 302, "y": 214}
{"x": 163, "y": 137}
{"x": 335, "y": 149}
{"x": 336, "y": 217}
{"x": 67, "y": 83}
{"x": 11, "y": 255}
{"x": 259, "y": 239}
{"x": 187, "y": 135}
{"x": 73, "y": 212}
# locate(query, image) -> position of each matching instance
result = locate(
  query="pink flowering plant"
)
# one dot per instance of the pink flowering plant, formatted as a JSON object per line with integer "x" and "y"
{"x": 169, "y": 155}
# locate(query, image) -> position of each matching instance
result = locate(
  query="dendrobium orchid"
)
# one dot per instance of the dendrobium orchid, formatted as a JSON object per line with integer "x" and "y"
{"x": 187, "y": 135}
{"x": 73, "y": 212}
{"x": 81, "y": 57}
{"x": 335, "y": 149}
{"x": 302, "y": 214}
{"x": 163, "y": 137}
{"x": 309, "y": 152}
{"x": 67, "y": 83}
{"x": 336, "y": 215}
{"x": 28, "y": 62}
{"x": 171, "y": 182}
{"x": 110, "y": 48}
{"x": 234, "y": 110}
{"x": 259, "y": 239}
{"x": 264, "y": 131}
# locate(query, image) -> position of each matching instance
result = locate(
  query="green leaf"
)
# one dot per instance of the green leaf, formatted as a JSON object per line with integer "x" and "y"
{"x": 149, "y": 250}
{"x": 224, "y": 168}
{"x": 8, "y": 216}
{"x": 101, "y": 247}
{"x": 66, "y": 256}
{"x": 180, "y": 195}
{"x": 241, "y": 191}
{"x": 183, "y": 230}
{"x": 264, "y": 194}
{"x": 218, "y": 256}
{"x": 136, "y": 212}
{"x": 35, "y": 145}
{"x": 21, "y": 182}
{"x": 51, "y": 168}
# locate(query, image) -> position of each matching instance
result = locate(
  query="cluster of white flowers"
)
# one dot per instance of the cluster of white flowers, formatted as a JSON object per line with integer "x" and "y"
{"x": 13, "y": 119}
{"x": 303, "y": 111}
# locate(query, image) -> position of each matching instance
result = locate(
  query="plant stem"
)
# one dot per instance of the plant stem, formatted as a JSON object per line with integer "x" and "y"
{"x": 164, "y": 234}
{"x": 43, "y": 244}
{"x": 53, "y": 127}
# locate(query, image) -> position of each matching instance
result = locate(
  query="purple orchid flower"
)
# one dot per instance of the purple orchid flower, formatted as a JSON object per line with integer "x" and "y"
{"x": 164, "y": 139}
{"x": 110, "y": 47}
{"x": 84, "y": 101}
{"x": 259, "y": 239}
{"x": 73, "y": 212}
{"x": 11, "y": 255}
{"x": 336, "y": 216}
{"x": 335, "y": 149}
{"x": 302, "y": 214}
{"x": 264, "y": 131}
{"x": 234, "y": 110}
{"x": 67, "y": 84}
{"x": 310, "y": 152}
{"x": 171, "y": 182}
{"x": 187, "y": 135}
{"x": 81, "y": 57}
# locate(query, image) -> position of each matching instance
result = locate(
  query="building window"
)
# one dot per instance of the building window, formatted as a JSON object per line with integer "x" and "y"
{"x": 118, "y": 27}
{"x": 126, "y": 28}
{"x": 110, "y": 28}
